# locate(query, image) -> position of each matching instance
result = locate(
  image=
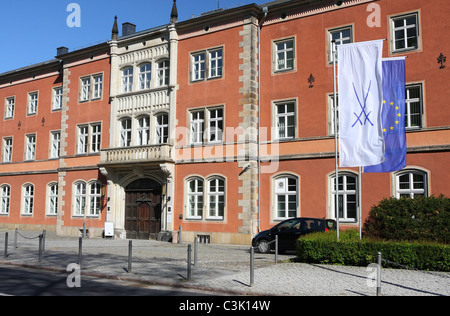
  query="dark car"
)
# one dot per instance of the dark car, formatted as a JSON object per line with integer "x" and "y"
{"x": 289, "y": 231}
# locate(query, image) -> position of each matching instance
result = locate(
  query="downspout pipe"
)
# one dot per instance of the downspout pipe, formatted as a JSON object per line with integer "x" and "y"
{"x": 261, "y": 22}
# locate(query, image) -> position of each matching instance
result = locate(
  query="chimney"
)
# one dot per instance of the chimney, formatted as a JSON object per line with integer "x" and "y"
{"x": 61, "y": 51}
{"x": 128, "y": 29}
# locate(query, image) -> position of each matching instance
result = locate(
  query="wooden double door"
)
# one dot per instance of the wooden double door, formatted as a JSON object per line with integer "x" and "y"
{"x": 143, "y": 214}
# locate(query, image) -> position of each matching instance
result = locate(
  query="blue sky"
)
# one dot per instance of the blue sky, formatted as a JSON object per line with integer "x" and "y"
{"x": 32, "y": 30}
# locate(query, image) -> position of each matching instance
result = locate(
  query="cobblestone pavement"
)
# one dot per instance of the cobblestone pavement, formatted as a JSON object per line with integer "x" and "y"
{"x": 224, "y": 269}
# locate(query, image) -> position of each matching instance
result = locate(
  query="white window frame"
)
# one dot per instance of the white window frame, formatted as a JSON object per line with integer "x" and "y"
{"x": 145, "y": 76}
{"x": 197, "y": 126}
{"x": 96, "y": 137}
{"x": 125, "y": 132}
{"x": 215, "y": 69}
{"x": 283, "y": 189}
{"x": 215, "y": 203}
{"x": 85, "y": 89}
{"x": 57, "y": 98}
{"x": 83, "y": 139}
{"x": 7, "y": 149}
{"x": 143, "y": 130}
{"x": 195, "y": 211}
{"x": 28, "y": 199}
{"x": 163, "y": 72}
{"x": 404, "y": 30}
{"x": 91, "y": 87}
{"x": 412, "y": 190}
{"x": 55, "y": 144}
{"x": 30, "y": 153}
{"x": 345, "y": 193}
{"x": 284, "y": 118}
{"x": 5, "y": 199}
{"x": 95, "y": 196}
{"x": 79, "y": 189}
{"x": 198, "y": 66}
{"x": 215, "y": 125}
{"x": 52, "y": 199}
{"x": 98, "y": 86}
{"x": 127, "y": 79}
{"x": 162, "y": 128}
{"x": 33, "y": 100}
{"x": 9, "y": 107}
{"x": 284, "y": 51}
{"x": 341, "y": 39}
{"x": 409, "y": 102}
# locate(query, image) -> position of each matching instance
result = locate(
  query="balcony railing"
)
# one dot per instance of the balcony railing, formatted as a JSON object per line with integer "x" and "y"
{"x": 139, "y": 154}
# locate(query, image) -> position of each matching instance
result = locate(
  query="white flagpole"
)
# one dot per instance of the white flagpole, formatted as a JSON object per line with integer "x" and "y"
{"x": 336, "y": 208}
{"x": 360, "y": 201}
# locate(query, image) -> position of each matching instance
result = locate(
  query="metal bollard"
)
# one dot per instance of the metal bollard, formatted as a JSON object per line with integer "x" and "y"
{"x": 44, "y": 232}
{"x": 6, "y": 245}
{"x": 189, "y": 250}
{"x": 180, "y": 239}
{"x": 40, "y": 248}
{"x": 379, "y": 274}
{"x": 276, "y": 249}
{"x": 84, "y": 230}
{"x": 130, "y": 251}
{"x": 195, "y": 250}
{"x": 80, "y": 248}
{"x": 16, "y": 232}
{"x": 252, "y": 266}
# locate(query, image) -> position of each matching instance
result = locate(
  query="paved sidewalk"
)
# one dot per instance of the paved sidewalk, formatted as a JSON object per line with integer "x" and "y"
{"x": 224, "y": 269}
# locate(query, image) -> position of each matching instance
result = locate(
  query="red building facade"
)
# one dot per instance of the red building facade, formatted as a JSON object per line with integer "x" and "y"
{"x": 238, "y": 130}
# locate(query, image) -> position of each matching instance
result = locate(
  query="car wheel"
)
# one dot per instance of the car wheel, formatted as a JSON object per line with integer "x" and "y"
{"x": 263, "y": 246}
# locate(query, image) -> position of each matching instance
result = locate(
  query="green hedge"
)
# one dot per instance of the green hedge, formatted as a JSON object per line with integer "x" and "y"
{"x": 324, "y": 248}
{"x": 418, "y": 219}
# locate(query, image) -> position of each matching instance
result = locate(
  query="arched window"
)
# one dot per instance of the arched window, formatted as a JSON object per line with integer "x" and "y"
{"x": 80, "y": 198}
{"x": 127, "y": 79}
{"x": 195, "y": 198}
{"x": 216, "y": 198}
{"x": 411, "y": 183}
{"x": 52, "y": 194}
{"x": 286, "y": 202}
{"x": 347, "y": 197}
{"x": 5, "y": 191}
{"x": 28, "y": 199}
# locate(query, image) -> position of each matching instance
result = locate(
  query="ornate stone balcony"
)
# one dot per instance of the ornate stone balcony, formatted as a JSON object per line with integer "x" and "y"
{"x": 138, "y": 154}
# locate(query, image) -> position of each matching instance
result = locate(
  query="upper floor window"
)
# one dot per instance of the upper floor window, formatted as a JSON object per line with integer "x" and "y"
{"x": 285, "y": 120}
{"x": 57, "y": 98}
{"x": 89, "y": 138}
{"x": 91, "y": 87}
{"x": 413, "y": 115}
{"x": 55, "y": 142}
{"x": 213, "y": 120}
{"x": 127, "y": 80}
{"x": 405, "y": 32}
{"x": 9, "y": 107}
{"x": 342, "y": 35}
{"x": 145, "y": 75}
{"x": 162, "y": 128}
{"x": 125, "y": 132}
{"x": 32, "y": 103}
{"x": 163, "y": 73}
{"x": 284, "y": 55}
{"x": 143, "y": 131}
{"x": 207, "y": 64}
{"x": 30, "y": 153}
{"x": 197, "y": 126}
{"x": 7, "y": 149}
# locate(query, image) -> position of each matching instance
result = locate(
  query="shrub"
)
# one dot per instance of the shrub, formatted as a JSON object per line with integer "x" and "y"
{"x": 418, "y": 219}
{"x": 323, "y": 248}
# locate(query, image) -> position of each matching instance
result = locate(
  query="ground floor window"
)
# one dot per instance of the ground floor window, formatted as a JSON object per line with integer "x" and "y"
{"x": 411, "y": 183}
{"x": 347, "y": 197}
{"x": 286, "y": 189}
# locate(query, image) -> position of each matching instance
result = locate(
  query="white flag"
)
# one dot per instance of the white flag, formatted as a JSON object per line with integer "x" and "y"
{"x": 361, "y": 141}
